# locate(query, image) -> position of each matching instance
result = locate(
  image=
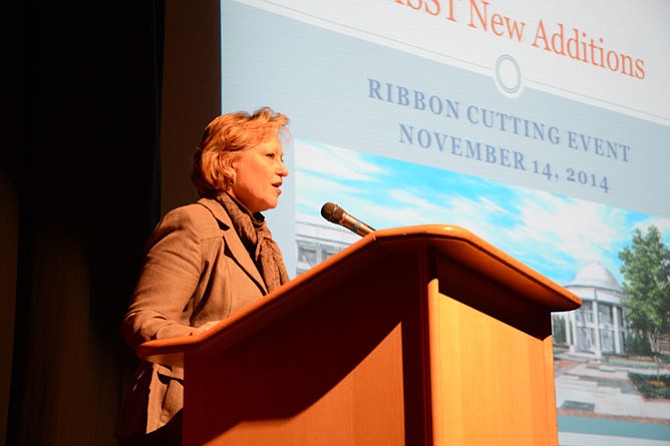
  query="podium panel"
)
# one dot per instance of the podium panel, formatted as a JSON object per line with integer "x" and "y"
{"x": 497, "y": 379}
{"x": 338, "y": 370}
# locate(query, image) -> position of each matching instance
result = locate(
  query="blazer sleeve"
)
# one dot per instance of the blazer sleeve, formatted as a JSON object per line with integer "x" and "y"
{"x": 169, "y": 276}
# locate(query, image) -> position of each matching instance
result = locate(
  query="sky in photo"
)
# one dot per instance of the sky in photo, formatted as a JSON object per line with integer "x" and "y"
{"x": 554, "y": 234}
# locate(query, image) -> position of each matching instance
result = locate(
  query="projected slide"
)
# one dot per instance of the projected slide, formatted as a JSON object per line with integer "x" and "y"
{"x": 543, "y": 129}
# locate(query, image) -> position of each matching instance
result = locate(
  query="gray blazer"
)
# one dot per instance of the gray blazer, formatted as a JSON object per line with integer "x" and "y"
{"x": 196, "y": 270}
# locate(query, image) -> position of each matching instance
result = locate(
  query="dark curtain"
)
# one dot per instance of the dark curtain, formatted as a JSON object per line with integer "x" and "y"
{"x": 80, "y": 192}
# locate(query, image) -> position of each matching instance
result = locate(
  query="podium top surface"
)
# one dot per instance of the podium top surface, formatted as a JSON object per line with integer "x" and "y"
{"x": 453, "y": 243}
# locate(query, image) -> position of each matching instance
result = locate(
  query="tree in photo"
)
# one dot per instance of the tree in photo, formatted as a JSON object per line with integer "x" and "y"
{"x": 646, "y": 272}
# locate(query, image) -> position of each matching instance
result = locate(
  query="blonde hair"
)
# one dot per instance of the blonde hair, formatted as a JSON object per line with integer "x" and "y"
{"x": 223, "y": 138}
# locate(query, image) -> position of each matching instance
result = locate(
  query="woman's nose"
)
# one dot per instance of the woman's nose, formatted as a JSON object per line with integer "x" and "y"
{"x": 282, "y": 170}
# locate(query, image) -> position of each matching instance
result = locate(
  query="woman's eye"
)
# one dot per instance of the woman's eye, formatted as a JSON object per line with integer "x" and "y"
{"x": 270, "y": 155}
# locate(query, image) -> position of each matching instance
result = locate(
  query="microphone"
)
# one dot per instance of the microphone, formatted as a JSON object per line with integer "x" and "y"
{"x": 335, "y": 214}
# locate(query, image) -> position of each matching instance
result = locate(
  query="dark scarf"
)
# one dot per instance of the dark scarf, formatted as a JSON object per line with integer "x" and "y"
{"x": 257, "y": 238}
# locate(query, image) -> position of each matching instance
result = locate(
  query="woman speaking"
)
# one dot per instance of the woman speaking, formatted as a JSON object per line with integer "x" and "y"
{"x": 205, "y": 261}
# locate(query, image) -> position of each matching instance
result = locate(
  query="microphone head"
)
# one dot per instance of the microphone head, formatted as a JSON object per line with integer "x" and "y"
{"x": 332, "y": 212}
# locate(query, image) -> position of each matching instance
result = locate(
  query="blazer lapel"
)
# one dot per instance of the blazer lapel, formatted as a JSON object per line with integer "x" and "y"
{"x": 234, "y": 243}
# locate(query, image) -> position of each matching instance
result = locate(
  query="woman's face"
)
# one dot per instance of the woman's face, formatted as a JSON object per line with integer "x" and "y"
{"x": 259, "y": 174}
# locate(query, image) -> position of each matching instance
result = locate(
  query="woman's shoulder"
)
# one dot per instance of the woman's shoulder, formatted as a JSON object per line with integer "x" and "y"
{"x": 199, "y": 217}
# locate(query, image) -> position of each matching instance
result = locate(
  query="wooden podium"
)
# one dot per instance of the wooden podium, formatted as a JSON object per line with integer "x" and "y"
{"x": 422, "y": 335}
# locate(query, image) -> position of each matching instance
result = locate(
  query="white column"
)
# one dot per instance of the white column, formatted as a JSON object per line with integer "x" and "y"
{"x": 572, "y": 330}
{"x": 596, "y": 325}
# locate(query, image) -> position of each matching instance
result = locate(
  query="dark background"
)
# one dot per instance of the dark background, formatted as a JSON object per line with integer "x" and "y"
{"x": 106, "y": 102}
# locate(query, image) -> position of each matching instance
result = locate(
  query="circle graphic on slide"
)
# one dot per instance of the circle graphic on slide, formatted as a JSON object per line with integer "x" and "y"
{"x": 508, "y": 75}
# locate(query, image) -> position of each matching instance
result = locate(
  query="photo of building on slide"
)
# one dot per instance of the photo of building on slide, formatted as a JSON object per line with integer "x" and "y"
{"x": 612, "y": 354}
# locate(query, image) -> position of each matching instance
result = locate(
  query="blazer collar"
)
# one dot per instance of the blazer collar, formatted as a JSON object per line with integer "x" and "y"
{"x": 233, "y": 241}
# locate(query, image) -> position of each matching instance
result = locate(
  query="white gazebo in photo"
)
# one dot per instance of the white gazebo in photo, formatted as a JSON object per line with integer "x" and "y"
{"x": 598, "y": 326}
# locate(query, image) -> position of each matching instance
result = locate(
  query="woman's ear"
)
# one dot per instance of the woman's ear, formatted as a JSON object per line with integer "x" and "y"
{"x": 227, "y": 167}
